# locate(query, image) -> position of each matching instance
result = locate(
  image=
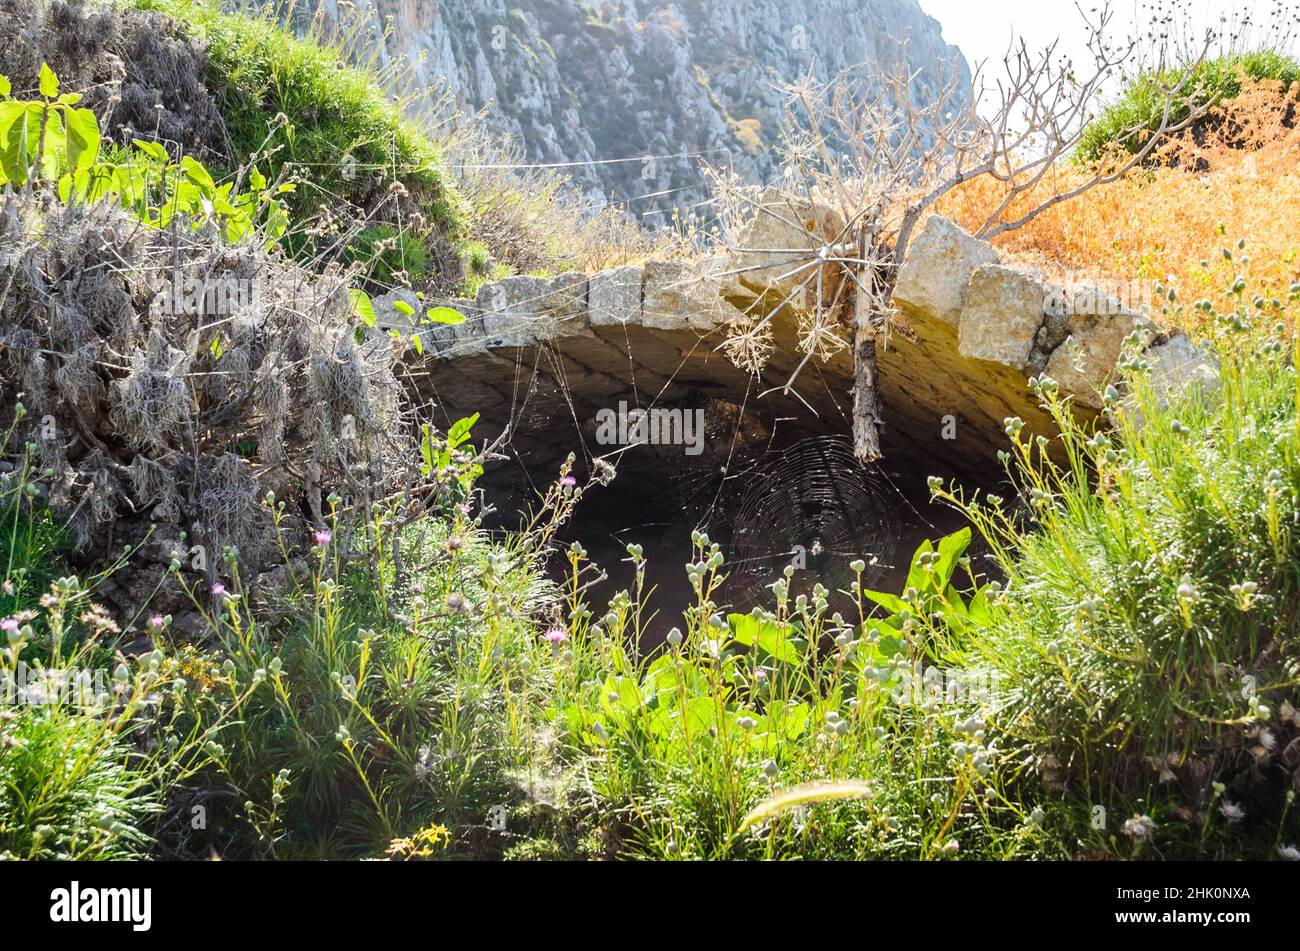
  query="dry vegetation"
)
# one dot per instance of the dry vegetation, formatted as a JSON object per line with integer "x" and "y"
{"x": 1236, "y": 175}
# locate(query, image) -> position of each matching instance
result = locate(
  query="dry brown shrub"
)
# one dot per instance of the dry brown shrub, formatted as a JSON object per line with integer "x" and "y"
{"x": 171, "y": 380}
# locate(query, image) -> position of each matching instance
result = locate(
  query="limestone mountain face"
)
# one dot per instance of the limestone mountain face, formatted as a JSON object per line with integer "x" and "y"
{"x": 581, "y": 82}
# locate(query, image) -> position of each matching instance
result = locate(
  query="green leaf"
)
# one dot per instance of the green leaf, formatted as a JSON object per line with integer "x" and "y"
{"x": 444, "y": 315}
{"x": 980, "y": 610}
{"x": 54, "y": 153}
{"x": 362, "y": 307}
{"x": 768, "y": 636}
{"x": 5, "y": 86}
{"x": 199, "y": 175}
{"x": 16, "y": 129}
{"x": 402, "y": 307}
{"x": 49, "y": 83}
{"x": 82, "y": 138}
{"x": 426, "y": 449}
{"x": 626, "y": 694}
{"x": 417, "y": 343}
{"x": 951, "y": 548}
{"x": 916, "y": 576}
{"x": 787, "y": 719}
{"x": 890, "y": 602}
{"x": 956, "y": 606}
{"x": 152, "y": 149}
{"x": 459, "y": 431}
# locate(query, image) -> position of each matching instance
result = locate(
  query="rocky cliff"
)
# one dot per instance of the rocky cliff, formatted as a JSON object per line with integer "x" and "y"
{"x": 637, "y": 80}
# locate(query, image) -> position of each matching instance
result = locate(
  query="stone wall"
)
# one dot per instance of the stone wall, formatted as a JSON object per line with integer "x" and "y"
{"x": 550, "y": 353}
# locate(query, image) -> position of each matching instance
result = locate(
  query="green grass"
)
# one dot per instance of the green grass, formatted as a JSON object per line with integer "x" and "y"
{"x": 1152, "y": 602}
{"x": 1137, "y": 625}
{"x": 346, "y": 139}
{"x": 1126, "y": 122}
{"x": 1126, "y": 657}
{"x": 362, "y": 718}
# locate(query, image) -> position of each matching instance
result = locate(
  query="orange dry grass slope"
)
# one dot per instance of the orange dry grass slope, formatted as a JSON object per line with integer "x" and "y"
{"x": 1235, "y": 176}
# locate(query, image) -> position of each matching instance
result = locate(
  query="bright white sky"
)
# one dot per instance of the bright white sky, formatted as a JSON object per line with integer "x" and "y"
{"x": 983, "y": 29}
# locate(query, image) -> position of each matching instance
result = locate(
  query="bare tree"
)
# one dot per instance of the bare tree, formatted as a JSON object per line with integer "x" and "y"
{"x": 867, "y": 160}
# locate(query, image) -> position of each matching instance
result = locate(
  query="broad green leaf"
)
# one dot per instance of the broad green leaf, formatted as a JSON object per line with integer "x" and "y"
{"x": 152, "y": 149}
{"x": 5, "y": 86}
{"x": 744, "y": 628}
{"x": 49, "y": 83}
{"x": 664, "y": 678}
{"x": 17, "y": 125}
{"x": 83, "y": 139}
{"x": 787, "y": 719}
{"x": 620, "y": 696}
{"x": 701, "y": 713}
{"x": 956, "y": 605}
{"x": 890, "y": 602}
{"x": 660, "y": 677}
{"x": 768, "y": 636}
{"x": 444, "y": 315}
{"x": 459, "y": 431}
{"x": 980, "y": 610}
{"x": 402, "y": 307}
{"x": 53, "y": 152}
{"x": 199, "y": 175}
{"x": 426, "y": 448}
{"x": 951, "y": 548}
{"x": 916, "y": 576}
{"x": 362, "y": 306}
{"x": 417, "y": 343}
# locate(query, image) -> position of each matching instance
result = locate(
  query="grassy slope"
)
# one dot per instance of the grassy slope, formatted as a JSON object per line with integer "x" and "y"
{"x": 1141, "y": 106}
{"x": 347, "y": 140}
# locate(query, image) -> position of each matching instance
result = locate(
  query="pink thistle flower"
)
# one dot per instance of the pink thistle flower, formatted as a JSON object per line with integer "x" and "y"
{"x": 322, "y": 536}
{"x": 568, "y": 482}
{"x": 218, "y": 590}
{"x": 9, "y": 624}
{"x": 556, "y": 636}
{"x": 157, "y": 622}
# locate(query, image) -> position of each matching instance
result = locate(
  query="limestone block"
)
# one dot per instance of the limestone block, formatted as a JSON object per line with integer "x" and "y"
{"x": 1086, "y": 362}
{"x": 452, "y": 340}
{"x": 939, "y": 264}
{"x": 1178, "y": 364}
{"x": 782, "y": 233}
{"x": 685, "y": 296}
{"x": 388, "y": 317}
{"x": 522, "y": 311}
{"x": 614, "y": 296}
{"x": 1001, "y": 314}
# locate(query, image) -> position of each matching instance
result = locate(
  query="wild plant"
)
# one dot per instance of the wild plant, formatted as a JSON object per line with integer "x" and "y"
{"x": 50, "y": 140}
{"x": 1146, "y": 633}
{"x": 93, "y": 740}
